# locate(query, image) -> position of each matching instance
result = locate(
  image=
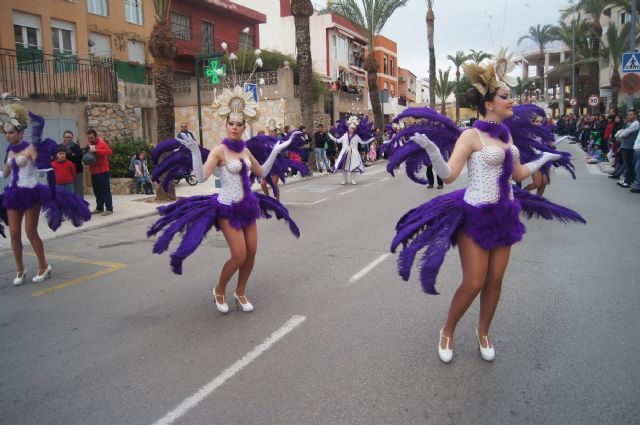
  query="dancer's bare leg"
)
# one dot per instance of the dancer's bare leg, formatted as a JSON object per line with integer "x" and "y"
{"x": 490, "y": 295}
{"x": 31, "y": 217}
{"x": 251, "y": 247}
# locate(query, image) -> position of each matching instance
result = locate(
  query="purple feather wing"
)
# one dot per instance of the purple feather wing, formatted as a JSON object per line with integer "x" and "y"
{"x": 365, "y": 129}
{"x": 441, "y": 130}
{"x": 37, "y": 127}
{"x": 171, "y": 158}
{"x": 537, "y": 206}
{"x": 261, "y": 146}
{"x": 532, "y": 139}
{"x": 339, "y": 129}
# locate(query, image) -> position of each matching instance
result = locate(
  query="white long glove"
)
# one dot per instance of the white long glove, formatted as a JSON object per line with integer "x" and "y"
{"x": 279, "y": 147}
{"x": 196, "y": 157}
{"x": 440, "y": 166}
{"x": 535, "y": 165}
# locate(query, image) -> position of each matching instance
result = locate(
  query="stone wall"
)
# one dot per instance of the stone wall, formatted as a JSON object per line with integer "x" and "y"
{"x": 112, "y": 120}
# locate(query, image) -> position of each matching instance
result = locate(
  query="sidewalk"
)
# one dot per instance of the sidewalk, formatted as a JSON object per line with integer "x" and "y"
{"x": 131, "y": 207}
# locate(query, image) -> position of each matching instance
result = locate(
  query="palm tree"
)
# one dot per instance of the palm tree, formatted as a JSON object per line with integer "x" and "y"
{"x": 540, "y": 35}
{"x": 479, "y": 56}
{"x": 458, "y": 60}
{"x": 443, "y": 89}
{"x": 162, "y": 46}
{"x": 595, "y": 9}
{"x": 617, "y": 40}
{"x": 432, "y": 53}
{"x": 522, "y": 86}
{"x": 370, "y": 20}
{"x": 301, "y": 11}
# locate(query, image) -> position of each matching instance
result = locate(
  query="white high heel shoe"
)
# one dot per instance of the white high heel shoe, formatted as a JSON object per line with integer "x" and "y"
{"x": 222, "y": 307}
{"x": 247, "y": 307}
{"x": 21, "y": 277}
{"x": 488, "y": 353}
{"x": 46, "y": 274}
{"x": 446, "y": 354}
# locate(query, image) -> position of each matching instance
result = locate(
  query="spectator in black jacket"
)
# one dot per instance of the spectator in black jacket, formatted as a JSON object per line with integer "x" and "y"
{"x": 322, "y": 144}
{"x": 74, "y": 154}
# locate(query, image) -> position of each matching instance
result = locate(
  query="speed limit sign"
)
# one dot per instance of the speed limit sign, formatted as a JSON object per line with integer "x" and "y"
{"x": 594, "y": 100}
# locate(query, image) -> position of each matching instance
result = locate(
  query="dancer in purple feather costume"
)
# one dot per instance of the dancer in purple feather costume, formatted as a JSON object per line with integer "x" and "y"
{"x": 234, "y": 210}
{"x": 483, "y": 219}
{"x": 24, "y": 196}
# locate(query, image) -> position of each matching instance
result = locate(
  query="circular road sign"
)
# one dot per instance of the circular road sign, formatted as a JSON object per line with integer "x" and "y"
{"x": 594, "y": 100}
{"x": 573, "y": 102}
{"x": 630, "y": 83}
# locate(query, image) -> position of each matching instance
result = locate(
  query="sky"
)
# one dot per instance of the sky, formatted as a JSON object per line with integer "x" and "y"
{"x": 465, "y": 24}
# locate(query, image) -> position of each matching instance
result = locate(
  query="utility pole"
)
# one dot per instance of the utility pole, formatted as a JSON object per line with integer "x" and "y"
{"x": 632, "y": 43}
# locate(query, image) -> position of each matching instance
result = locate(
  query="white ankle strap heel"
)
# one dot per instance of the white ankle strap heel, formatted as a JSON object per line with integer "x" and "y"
{"x": 446, "y": 354}
{"x": 46, "y": 274}
{"x": 247, "y": 307}
{"x": 21, "y": 277}
{"x": 488, "y": 353}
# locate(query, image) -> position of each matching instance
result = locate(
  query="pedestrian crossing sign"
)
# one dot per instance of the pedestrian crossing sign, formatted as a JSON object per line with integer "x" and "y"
{"x": 631, "y": 62}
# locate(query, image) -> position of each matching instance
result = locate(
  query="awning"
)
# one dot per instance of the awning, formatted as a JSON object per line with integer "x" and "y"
{"x": 357, "y": 70}
{"x": 352, "y": 36}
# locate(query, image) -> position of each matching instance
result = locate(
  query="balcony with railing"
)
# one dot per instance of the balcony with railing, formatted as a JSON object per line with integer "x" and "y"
{"x": 192, "y": 43}
{"x": 29, "y": 73}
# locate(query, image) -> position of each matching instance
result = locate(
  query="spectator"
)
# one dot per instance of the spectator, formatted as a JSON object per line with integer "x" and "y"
{"x": 65, "y": 170}
{"x": 184, "y": 129}
{"x": 636, "y": 159}
{"x": 322, "y": 144}
{"x": 306, "y": 147}
{"x": 100, "y": 173}
{"x": 142, "y": 175}
{"x": 627, "y": 137}
{"x": 74, "y": 155}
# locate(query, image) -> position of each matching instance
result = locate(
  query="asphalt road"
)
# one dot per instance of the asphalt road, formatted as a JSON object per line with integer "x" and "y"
{"x": 116, "y": 338}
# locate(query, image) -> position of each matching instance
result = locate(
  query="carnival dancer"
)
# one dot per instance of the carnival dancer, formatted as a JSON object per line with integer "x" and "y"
{"x": 24, "y": 197}
{"x": 351, "y": 134}
{"x": 233, "y": 210}
{"x": 483, "y": 219}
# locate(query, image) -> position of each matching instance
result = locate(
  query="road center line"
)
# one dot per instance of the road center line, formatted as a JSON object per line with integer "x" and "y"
{"x": 195, "y": 399}
{"x": 346, "y": 191}
{"x": 367, "y": 268}
{"x": 368, "y": 184}
{"x": 384, "y": 179}
{"x": 306, "y": 203}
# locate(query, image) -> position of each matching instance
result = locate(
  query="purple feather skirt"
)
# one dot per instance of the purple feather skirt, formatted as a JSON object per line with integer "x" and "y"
{"x": 58, "y": 206}
{"x": 194, "y": 216}
{"x": 434, "y": 226}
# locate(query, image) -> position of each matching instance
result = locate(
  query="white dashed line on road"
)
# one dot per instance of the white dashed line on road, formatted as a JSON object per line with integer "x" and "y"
{"x": 195, "y": 399}
{"x": 346, "y": 191}
{"x": 306, "y": 203}
{"x": 367, "y": 269}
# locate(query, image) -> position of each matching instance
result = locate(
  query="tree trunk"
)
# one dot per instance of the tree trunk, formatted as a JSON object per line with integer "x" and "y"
{"x": 457, "y": 94}
{"x": 540, "y": 70}
{"x": 301, "y": 11}
{"x": 432, "y": 57}
{"x": 615, "y": 89}
{"x": 371, "y": 66}
{"x": 162, "y": 46}
{"x": 594, "y": 68}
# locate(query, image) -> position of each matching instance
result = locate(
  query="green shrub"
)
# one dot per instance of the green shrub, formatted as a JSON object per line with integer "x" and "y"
{"x": 123, "y": 149}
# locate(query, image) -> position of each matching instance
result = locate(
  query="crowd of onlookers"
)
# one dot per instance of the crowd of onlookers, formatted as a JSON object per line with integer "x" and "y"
{"x": 609, "y": 138}
{"x": 344, "y": 87}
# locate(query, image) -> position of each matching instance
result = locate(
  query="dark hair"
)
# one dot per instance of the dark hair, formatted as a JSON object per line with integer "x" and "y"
{"x": 301, "y": 128}
{"x": 61, "y": 149}
{"x": 67, "y": 131}
{"x": 320, "y": 125}
{"x": 476, "y": 98}
{"x": 92, "y": 131}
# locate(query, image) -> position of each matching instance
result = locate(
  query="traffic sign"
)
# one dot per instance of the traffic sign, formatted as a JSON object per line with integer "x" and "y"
{"x": 630, "y": 62}
{"x": 630, "y": 83}
{"x": 573, "y": 102}
{"x": 594, "y": 100}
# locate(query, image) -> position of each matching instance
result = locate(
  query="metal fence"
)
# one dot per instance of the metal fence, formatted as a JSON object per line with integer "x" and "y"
{"x": 29, "y": 73}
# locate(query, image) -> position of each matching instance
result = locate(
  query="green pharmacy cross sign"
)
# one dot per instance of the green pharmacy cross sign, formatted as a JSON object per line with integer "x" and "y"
{"x": 213, "y": 71}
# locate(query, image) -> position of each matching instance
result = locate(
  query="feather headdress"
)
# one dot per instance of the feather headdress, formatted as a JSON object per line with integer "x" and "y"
{"x": 13, "y": 115}
{"x": 494, "y": 76}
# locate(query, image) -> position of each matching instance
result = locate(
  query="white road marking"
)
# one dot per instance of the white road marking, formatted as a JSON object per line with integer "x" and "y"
{"x": 384, "y": 179}
{"x": 367, "y": 268}
{"x": 195, "y": 399}
{"x": 365, "y": 185}
{"x": 306, "y": 203}
{"x": 346, "y": 191}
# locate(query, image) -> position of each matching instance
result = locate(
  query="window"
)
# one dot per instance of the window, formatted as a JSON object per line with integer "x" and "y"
{"x": 623, "y": 18}
{"x": 26, "y": 30}
{"x": 136, "y": 51}
{"x": 207, "y": 36}
{"x": 181, "y": 26}
{"x": 339, "y": 48}
{"x": 386, "y": 86}
{"x": 384, "y": 65}
{"x": 64, "y": 45}
{"x": 246, "y": 41}
{"x": 393, "y": 90}
{"x": 98, "y": 7}
{"x": 393, "y": 72}
{"x": 133, "y": 11}
{"x": 99, "y": 44}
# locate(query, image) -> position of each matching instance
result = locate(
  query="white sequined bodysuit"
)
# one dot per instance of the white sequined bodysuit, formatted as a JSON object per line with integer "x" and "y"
{"x": 230, "y": 180}
{"x": 484, "y": 168}
{"x": 27, "y": 173}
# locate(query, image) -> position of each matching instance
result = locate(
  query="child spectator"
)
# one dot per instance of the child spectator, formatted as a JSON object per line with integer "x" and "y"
{"x": 65, "y": 170}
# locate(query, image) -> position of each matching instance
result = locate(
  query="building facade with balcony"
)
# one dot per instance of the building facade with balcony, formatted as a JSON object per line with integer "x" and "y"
{"x": 386, "y": 54}
{"x": 201, "y": 26}
{"x": 407, "y": 87}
